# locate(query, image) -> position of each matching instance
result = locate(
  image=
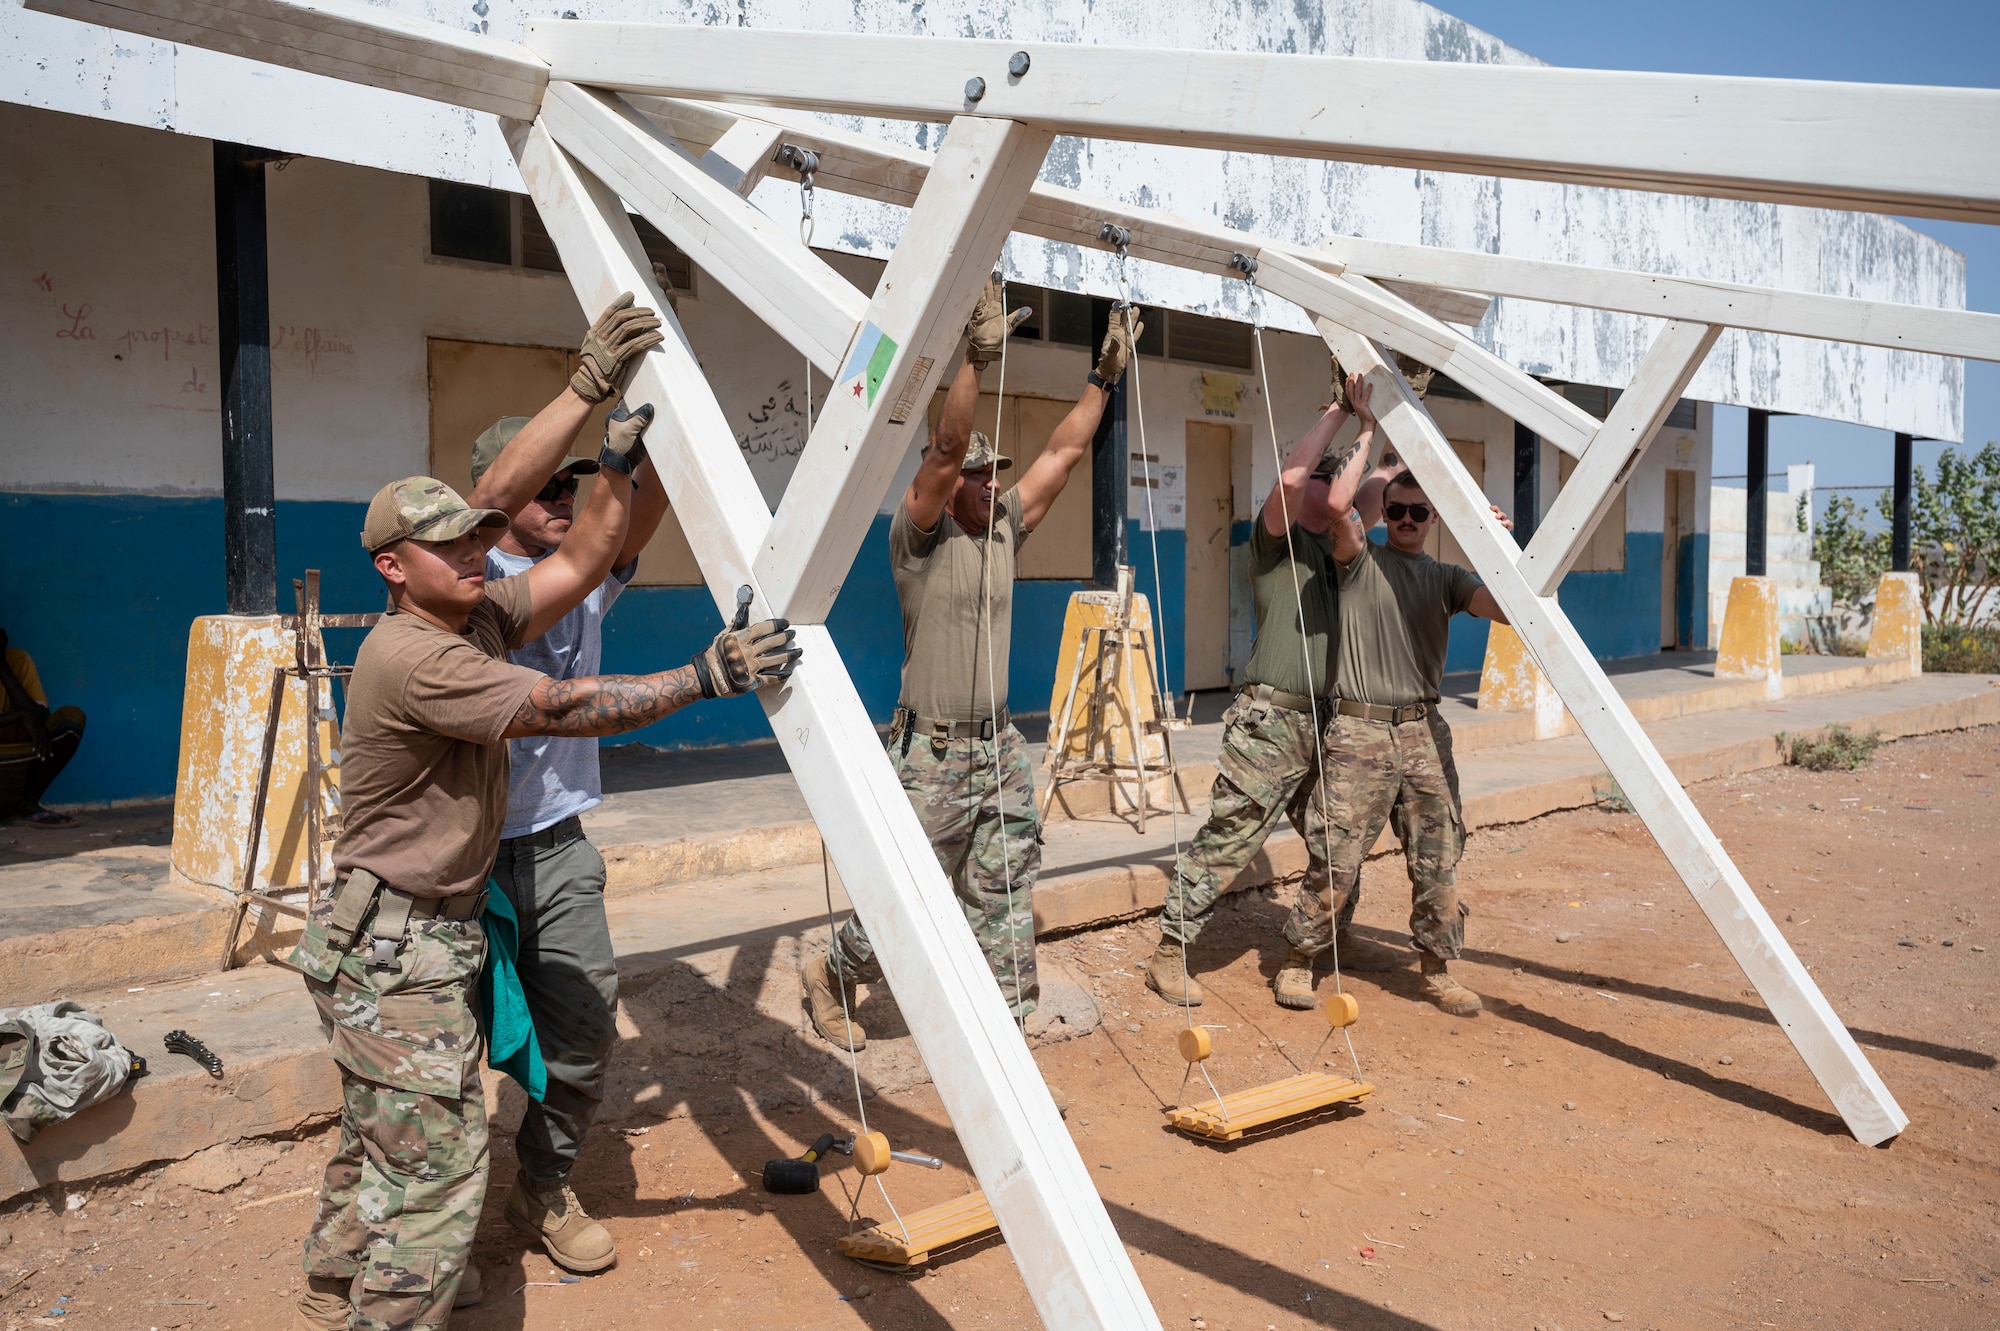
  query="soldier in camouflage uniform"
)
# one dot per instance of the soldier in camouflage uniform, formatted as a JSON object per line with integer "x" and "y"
{"x": 394, "y": 951}
{"x": 1381, "y": 751}
{"x": 1270, "y": 748}
{"x": 965, "y": 767}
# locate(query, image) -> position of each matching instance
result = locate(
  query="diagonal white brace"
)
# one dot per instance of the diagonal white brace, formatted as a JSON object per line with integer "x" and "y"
{"x": 1057, "y": 1230}
{"x": 1672, "y": 360}
{"x": 882, "y": 389}
{"x": 1843, "y": 1071}
{"x": 1357, "y": 303}
{"x": 759, "y": 260}
{"x": 741, "y": 158}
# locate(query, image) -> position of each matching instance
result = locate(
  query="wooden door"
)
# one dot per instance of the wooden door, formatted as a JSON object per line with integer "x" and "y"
{"x": 1676, "y": 589}
{"x": 1441, "y": 544}
{"x": 474, "y": 384}
{"x": 1205, "y": 635}
{"x": 1061, "y": 545}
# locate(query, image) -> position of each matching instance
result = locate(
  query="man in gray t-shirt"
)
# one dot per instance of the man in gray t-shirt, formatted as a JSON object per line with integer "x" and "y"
{"x": 552, "y": 875}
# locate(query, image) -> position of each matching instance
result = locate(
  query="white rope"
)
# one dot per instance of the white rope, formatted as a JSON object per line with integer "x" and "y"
{"x": 1312, "y": 691}
{"x": 992, "y": 700}
{"x": 1162, "y": 690}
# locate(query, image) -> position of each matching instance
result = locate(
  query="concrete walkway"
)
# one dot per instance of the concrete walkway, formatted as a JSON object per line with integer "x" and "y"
{"x": 716, "y": 879}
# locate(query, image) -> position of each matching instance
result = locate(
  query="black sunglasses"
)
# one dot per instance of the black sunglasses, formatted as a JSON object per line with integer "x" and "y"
{"x": 1416, "y": 512}
{"x": 560, "y": 488}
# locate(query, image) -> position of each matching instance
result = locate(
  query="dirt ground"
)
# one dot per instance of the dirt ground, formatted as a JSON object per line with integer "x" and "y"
{"x": 1624, "y": 1135}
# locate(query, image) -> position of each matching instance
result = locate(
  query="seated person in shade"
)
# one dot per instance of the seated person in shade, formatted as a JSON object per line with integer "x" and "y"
{"x": 35, "y": 743}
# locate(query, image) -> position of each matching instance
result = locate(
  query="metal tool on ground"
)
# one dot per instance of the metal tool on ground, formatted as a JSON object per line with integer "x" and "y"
{"x": 798, "y": 1177}
{"x": 846, "y": 1147}
{"x": 910, "y": 1240}
{"x": 180, "y": 1042}
{"x": 1226, "y": 1119}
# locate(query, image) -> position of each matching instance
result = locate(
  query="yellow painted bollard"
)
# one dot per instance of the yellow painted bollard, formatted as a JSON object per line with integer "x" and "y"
{"x": 1510, "y": 681}
{"x": 1749, "y": 647}
{"x": 229, "y": 666}
{"x": 1897, "y": 629}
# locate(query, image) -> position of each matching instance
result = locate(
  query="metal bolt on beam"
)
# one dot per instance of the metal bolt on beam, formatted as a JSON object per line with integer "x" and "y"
{"x": 1017, "y": 64}
{"x": 975, "y": 88}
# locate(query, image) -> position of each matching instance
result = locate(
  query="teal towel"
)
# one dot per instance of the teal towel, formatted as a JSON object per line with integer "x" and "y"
{"x": 511, "y": 1046}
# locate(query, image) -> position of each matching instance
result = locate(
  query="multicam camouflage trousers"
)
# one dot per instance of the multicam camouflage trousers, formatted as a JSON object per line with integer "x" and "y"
{"x": 402, "y": 1194}
{"x": 1378, "y": 774}
{"x": 1267, "y": 769}
{"x": 976, "y": 800}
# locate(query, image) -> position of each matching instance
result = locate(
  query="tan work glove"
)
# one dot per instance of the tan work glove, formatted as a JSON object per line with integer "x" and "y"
{"x": 1116, "y": 353}
{"x": 745, "y": 660}
{"x": 625, "y": 438}
{"x": 990, "y": 325}
{"x": 612, "y": 347}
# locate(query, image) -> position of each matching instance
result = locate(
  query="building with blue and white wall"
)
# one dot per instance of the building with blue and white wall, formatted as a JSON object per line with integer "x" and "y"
{"x": 396, "y": 321}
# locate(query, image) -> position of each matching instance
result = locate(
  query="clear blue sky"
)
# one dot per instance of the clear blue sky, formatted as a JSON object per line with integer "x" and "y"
{"x": 1951, "y": 42}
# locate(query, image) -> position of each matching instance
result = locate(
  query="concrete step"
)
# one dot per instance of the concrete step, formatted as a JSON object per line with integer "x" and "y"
{"x": 739, "y": 934}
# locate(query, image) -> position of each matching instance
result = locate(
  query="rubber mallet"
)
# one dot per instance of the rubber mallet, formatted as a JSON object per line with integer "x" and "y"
{"x": 800, "y": 1176}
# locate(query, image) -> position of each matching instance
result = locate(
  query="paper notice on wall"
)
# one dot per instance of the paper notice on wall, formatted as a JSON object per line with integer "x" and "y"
{"x": 1168, "y": 492}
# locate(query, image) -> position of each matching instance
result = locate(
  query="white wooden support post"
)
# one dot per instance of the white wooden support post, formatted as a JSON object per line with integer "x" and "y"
{"x": 1580, "y": 505}
{"x": 760, "y": 260}
{"x": 1075, "y": 1268}
{"x": 742, "y": 156}
{"x": 1357, "y": 303}
{"x": 883, "y": 386}
{"x": 1858, "y": 1094}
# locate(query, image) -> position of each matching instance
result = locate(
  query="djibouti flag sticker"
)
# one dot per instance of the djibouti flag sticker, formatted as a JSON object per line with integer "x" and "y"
{"x": 868, "y": 364}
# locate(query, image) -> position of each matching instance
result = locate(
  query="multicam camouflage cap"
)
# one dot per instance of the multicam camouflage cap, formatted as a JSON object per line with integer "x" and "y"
{"x": 422, "y": 508}
{"x": 496, "y": 437}
{"x": 980, "y": 454}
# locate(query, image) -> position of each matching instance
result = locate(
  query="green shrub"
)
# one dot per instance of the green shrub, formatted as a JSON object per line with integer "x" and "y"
{"x": 1610, "y": 795}
{"x": 1835, "y": 749}
{"x": 1962, "y": 651}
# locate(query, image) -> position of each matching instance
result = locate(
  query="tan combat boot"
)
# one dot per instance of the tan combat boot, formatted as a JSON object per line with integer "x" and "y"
{"x": 1440, "y": 988}
{"x": 1166, "y": 975}
{"x": 471, "y": 1289}
{"x": 577, "y": 1242}
{"x": 324, "y": 1306}
{"x": 1294, "y": 986}
{"x": 823, "y": 1004}
{"x": 1356, "y": 953}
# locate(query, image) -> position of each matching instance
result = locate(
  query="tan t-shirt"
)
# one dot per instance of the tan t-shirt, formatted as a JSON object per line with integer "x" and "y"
{"x": 423, "y": 771}
{"x": 939, "y": 580}
{"x": 1395, "y": 623}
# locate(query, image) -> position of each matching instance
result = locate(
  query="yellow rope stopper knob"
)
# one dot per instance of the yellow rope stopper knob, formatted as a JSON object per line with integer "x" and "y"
{"x": 1342, "y": 1010}
{"x": 1195, "y": 1044}
{"x": 871, "y": 1153}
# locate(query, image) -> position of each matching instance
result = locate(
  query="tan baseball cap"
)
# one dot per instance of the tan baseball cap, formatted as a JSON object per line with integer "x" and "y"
{"x": 422, "y": 508}
{"x": 496, "y": 437}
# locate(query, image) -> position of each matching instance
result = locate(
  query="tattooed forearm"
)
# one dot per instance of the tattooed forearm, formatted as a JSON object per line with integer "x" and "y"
{"x": 604, "y": 704}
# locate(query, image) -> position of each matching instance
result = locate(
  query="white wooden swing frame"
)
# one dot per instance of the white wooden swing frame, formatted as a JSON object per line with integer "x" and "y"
{"x": 596, "y": 112}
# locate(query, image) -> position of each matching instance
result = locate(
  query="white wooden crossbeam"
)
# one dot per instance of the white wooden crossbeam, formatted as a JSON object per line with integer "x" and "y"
{"x": 761, "y": 261}
{"x": 342, "y": 39}
{"x": 1057, "y": 1231}
{"x": 1869, "y": 323}
{"x": 1359, "y": 304}
{"x": 1671, "y": 362}
{"x": 741, "y": 157}
{"x": 883, "y": 387}
{"x": 1858, "y": 1093}
{"x": 1441, "y": 282}
{"x": 1875, "y": 147}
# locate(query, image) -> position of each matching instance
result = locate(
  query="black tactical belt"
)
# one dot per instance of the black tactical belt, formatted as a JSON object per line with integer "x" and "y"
{"x": 358, "y": 890}
{"x": 1395, "y": 716}
{"x": 1297, "y": 702}
{"x": 559, "y": 834}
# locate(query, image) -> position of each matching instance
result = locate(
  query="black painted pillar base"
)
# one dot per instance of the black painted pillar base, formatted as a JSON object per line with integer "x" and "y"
{"x": 243, "y": 339}
{"x": 1527, "y": 483}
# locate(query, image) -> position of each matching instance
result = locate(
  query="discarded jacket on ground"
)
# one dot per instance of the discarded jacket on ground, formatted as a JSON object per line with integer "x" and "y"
{"x": 56, "y": 1059}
